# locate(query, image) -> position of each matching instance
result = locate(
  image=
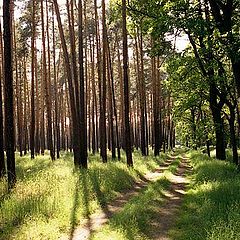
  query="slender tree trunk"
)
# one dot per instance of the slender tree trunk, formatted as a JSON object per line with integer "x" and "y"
{"x": 72, "y": 95}
{"x": 19, "y": 109}
{"x": 46, "y": 80}
{"x": 142, "y": 98}
{"x": 57, "y": 127}
{"x": 32, "y": 130}
{"x": 2, "y": 161}
{"x": 42, "y": 102}
{"x": 110, "y": 101}
{"x": 120, "y": 75}
{"x": 114, "y": 104}
{"x": 83, "y": 127}
{"x": 128, "y": 146}
{"x": 94, "y": 100}
{"x": 156, "y": 113}
{"x": 231, "y": 121}
{"x": 103, "y": 134}
{"x": 8, "y": 94}
{"x": 37, "y": 134}
{"x": 25, "y": 116}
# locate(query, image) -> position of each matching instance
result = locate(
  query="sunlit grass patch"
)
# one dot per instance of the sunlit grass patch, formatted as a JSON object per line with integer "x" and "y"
{"x": 174, "y": 166}
{"x": 134, "y": 220}
{"x": 55, "y": 197}
{"x": 212, "y": 204}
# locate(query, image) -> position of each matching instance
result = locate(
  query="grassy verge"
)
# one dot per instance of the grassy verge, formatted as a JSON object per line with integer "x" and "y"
{"x": 211, "y": 209}
{"x": 136, "y": 219}
{"x": 50, "y": 198}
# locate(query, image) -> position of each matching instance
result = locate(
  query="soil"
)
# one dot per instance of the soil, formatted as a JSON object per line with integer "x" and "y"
{"x": 161, "y": 223}
{"x": 167, "y": 214}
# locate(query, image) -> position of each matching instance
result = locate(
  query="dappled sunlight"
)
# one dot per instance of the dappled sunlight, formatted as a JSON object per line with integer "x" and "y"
{"x": 209, "y": 205}
{"x": 54, "y": 194}
{"x": 134, "y": 221}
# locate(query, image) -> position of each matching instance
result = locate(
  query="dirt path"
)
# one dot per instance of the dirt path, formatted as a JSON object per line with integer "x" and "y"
{"x": 165, "y": 219}
{"x": 166, "y": 214}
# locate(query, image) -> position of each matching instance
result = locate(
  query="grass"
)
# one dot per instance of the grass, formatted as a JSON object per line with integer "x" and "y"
{"x": 211, "y": 208}
{"x": 136, "y": 219}
{"x": 51, "y": 198}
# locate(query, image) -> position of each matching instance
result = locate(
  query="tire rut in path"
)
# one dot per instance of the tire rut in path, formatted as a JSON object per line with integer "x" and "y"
{"x": 95, "y": 221}
{"x": 167, "y": 214}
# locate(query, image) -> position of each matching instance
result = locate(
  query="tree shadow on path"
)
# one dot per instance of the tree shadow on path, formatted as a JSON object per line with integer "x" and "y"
{"x": 81, "y": 197}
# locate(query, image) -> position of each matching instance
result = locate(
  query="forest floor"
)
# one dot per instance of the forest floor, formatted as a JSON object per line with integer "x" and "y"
{"x": 182, "y": 195}
{"x": 166, "y": 211}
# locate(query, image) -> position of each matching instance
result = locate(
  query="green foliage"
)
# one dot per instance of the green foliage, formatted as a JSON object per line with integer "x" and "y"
{"x": 212, "y": 207}
{"x": 190, "y": 92}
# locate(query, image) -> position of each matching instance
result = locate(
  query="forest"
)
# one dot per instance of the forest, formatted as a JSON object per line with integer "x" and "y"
{"x": 119, "y": 119}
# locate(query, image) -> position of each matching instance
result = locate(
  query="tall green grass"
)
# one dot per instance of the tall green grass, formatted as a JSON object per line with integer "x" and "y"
{"x": 51, "y": 198}
{"x": 211, "y": 209}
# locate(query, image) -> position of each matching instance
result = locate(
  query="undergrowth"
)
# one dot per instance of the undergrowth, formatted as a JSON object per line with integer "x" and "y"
{"x": 211, "y": 209}
{"x": 51, "y": 198}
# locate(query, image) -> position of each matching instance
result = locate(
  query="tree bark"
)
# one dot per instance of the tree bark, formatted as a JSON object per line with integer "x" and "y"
{"x": 32, "y": 130}
{"x": 8, "y": 94}
{"x": 56, "y": 105}
{"x": 218, "y": 123}
{"x": 72, "y": 95}
{"x": 2, "y": 161}
{"x": 103, "y": 134}
{"x": 128, "y": 146}
{"x": 46, "y": 81}
{"x": 82, "y": 120}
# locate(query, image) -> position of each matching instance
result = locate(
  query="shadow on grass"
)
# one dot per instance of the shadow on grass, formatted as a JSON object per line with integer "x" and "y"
{"x": 81, "y": 199}
{"x": 101, "y": 183}
{"x": 14, "y": 212}
{"x": 135, "y": 218}
{"x": 26, "y": 172}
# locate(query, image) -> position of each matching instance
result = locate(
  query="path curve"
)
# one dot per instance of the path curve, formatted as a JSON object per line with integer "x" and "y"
{"x": 97, "y": 220}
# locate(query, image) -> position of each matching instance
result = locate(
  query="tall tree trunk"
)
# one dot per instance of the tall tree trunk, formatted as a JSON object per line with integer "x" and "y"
{"x": 156, "y": 113}
{"x": 19, "y": 109}
{"x": 218, "y": 123}
{"x": 37, "y": 134}
{"x": 42, "y": 107}
{"x": 120, "y": 76}
{"x": 72, "y": 95}
{"x": 99, "y": 129}
{"x": 57, "y": 127}
{"x": 46, "y": 82}
{"x": 25, "y": 116}
{"x": 114, "y": 104}
{"x": 142, "y": 97}
{"x": 128, "y": 146}
{"x": 94, "y": 100}
{"x": 8, "y": 94}
{"x": 32, "y": 130}
{"x": 110, "y": 101}
{"x": 231, "y": 121}
{"x": 103, "y": 135}
{"x": 83, "y": 127}
{"x": 2, "y": 161}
